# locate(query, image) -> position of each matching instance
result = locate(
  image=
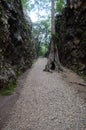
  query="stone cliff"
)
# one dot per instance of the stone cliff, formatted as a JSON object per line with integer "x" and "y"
{"x": 71, "y": 33}
{"x": 17, "y": 49}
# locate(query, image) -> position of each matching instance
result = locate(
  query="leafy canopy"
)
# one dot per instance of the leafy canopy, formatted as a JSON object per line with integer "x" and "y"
{"x": 60, "y": 5}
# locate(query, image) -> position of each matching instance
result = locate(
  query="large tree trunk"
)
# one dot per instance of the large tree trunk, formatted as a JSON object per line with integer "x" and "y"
{"x": 53, "y": 60}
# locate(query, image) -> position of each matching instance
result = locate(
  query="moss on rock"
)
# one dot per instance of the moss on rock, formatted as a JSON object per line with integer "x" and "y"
{"x": 16, "y": 44}
{"x": 71, "y": 29}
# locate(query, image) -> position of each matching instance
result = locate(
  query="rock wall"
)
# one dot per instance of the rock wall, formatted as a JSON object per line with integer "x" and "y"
{"x": 71, "y": 33}
{"x": 17, "y": 49}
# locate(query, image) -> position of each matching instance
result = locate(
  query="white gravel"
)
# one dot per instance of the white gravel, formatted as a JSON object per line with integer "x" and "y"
{"x": 46, "y": 102}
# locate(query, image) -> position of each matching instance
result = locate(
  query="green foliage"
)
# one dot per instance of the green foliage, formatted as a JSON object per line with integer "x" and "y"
{"x": 9, "y": 90}
{"x": 60, "y": 5}
{"x": 41, "y": 32}
{"x": 43, "y": 50}
{"x": 42, "y": 29}
{"x": 84, "y": 38}
{"x": 25, "y": 4}
{"x": 81, "y": 73}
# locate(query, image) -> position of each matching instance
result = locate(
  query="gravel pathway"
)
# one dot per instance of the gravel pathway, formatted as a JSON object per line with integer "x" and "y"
{"x": 47, "y": 102}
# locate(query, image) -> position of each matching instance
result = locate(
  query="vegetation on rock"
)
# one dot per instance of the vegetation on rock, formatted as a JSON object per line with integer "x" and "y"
{"x": 71, "y": 41}
{"x": 21, "y": 41}
{"x": 17, "y": 49}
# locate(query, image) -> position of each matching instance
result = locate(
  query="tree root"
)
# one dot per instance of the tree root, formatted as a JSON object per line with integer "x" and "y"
{"x": 82, "y": 84}
{"x": 51, "y": 66}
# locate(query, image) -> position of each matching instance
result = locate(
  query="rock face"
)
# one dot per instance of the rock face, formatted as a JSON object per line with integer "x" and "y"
{"x": 71, "y": 29}
{"x": 17, "y": 49}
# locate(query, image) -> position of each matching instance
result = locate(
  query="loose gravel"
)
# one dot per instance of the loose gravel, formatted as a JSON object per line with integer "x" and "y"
{"x": 46, "y": 102}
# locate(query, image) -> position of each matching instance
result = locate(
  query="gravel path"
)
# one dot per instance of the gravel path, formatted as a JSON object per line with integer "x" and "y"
{"x": 47, "y": 102}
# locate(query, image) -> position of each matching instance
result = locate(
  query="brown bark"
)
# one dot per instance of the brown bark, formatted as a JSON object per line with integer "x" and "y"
{"x": 53, "y": 60}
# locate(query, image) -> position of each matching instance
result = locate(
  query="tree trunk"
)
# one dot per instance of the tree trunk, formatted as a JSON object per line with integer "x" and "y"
{"x": 53, "y": 60}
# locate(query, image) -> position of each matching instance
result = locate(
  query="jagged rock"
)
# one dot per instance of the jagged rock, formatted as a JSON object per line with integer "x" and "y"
{"x": 7, "y": 75}
{"x": 71, "y": 29}
{"x": 17, "y": 49}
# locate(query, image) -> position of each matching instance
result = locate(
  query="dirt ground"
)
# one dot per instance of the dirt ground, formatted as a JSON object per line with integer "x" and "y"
{"x": 45, "y": 101}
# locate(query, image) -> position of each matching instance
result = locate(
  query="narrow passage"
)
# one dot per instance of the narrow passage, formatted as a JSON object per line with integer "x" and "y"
{"x": 47, "y": 102}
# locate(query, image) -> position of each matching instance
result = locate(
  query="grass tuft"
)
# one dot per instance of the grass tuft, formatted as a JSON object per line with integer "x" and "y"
{"x": 9, "y": 90}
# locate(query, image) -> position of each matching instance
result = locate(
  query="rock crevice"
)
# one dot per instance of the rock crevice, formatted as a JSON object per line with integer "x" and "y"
{"x": 71, "y": 29}
{"x": 17, "y": 49}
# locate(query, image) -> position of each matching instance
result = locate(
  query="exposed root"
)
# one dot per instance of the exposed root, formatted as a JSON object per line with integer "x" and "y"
{"x": 51, "y": 66}
{"x": 53, "y": 63}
